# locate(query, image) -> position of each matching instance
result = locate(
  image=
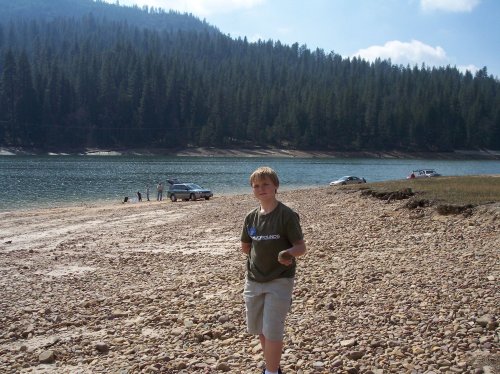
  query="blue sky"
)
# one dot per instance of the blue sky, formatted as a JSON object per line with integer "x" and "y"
{"x": 461, "y": 33}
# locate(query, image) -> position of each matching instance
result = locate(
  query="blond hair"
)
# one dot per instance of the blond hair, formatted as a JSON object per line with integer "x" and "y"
{"x": 263, "y": 172}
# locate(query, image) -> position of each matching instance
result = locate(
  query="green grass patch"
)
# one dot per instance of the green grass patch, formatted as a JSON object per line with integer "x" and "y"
{"x": 463, "y": 190}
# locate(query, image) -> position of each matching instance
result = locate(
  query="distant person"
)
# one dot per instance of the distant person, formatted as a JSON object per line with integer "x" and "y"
{"x": 271, "y": 238}
{"x": 159, "y": 190}
{"x": 139, "y": 196}
{"x": 147, "y": 193}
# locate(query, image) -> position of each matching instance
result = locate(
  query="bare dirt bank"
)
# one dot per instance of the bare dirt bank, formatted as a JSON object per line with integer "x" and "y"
{"x": 156, "y": 287}
{"x": 263, "y": 152}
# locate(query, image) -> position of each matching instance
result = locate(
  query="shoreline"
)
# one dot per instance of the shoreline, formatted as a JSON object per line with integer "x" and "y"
{"x": 92, "y": 203}
{"x": 107, "y": 204}
{"x": 261, "y": 152}
{"x": 132, "y": 201}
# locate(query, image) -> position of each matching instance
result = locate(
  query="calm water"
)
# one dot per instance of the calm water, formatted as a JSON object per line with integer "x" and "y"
{"x": 43, "y": 181}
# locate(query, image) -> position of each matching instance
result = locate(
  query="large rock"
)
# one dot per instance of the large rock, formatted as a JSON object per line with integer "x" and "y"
{"x": 47, "y": 357}
{"x": 101, "y": 347}
{"x": 487, "y": 321}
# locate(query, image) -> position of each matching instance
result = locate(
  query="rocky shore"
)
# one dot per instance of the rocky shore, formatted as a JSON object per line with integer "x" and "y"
{"x": 483, "y": 154}
{"x": 156, "y": 288}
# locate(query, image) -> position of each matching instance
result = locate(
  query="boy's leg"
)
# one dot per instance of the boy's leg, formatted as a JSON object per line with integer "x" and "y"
{"x": 254, "y": 306}
{"x": 272, "y": 353}
{"x": 276, "y": 306}
{"x": 262, "y": 339}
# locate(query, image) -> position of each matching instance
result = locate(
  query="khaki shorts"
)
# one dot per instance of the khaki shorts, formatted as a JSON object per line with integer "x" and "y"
{"x": 267, "y": 305}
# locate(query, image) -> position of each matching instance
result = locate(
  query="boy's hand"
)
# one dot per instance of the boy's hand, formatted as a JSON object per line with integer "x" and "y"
{"x": 285, "y": 258}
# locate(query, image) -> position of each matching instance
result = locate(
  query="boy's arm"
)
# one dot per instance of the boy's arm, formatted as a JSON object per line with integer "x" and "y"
{"x": 245, "y": 247}
{"x": 298, "y": 249}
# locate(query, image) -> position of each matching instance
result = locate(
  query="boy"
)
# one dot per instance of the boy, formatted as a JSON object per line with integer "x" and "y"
{"x": 272, "y": 238}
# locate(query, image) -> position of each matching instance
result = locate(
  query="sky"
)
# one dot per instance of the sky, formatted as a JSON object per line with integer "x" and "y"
{"x": 459, "y": 33}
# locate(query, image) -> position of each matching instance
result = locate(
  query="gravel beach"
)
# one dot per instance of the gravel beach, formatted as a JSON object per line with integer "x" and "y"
{"x": 155, "y": 287}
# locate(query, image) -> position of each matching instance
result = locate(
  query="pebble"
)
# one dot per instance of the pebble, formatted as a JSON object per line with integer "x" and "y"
{"x": 223, "y": 366}
{"x": 348, "y": 343}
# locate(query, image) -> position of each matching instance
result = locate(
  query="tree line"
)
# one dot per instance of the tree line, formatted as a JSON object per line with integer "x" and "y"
{"x": 93, "y": 82}
{"x": 145, "y": 17}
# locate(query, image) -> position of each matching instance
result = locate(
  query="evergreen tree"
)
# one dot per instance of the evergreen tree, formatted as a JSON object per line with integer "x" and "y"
{"x": 8, "y": 94}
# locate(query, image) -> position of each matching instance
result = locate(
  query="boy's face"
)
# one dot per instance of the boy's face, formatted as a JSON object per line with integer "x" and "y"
{"x": 264, "y": 189}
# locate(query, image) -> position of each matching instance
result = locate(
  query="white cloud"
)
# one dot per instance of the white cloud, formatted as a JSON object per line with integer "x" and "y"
{"x": 404, "y": 53}
{"x": 449, "y": 5}
{"x": 197, "y": 7}
{"x": 412, "y": 53}
{"x": 255, "y": 38}
{"x": 472, "y": 68}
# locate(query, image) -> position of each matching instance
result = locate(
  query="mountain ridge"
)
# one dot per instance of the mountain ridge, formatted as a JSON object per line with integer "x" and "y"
{"x": 143, "y": 17}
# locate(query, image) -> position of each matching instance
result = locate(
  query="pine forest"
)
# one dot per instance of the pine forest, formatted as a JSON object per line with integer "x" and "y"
{"x": 90, "y": 80}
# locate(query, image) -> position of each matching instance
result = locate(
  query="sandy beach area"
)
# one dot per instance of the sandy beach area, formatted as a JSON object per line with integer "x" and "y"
{"x": 155, "y": 287}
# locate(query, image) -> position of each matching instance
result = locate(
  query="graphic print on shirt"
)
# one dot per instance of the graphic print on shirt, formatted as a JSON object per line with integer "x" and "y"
{"x": 252, "y": 232}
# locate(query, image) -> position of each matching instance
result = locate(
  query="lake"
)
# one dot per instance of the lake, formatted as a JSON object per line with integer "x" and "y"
{"x": 48, "y": 181}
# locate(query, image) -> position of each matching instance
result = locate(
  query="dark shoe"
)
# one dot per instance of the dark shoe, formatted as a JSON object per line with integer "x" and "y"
{"x": 264, "y": 371}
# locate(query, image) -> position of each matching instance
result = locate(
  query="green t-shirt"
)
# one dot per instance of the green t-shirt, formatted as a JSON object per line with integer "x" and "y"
{"x": 269, "y": 234}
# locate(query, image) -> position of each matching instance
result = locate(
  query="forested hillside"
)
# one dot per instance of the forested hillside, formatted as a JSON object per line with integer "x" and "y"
{"x": 89, "y": 81}
{"x": 144, "y": 17}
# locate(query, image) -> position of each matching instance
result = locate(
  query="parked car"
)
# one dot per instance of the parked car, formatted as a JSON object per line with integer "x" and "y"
{"x": 423, "y": 173}
{"x": 188, "y": 191}
{"x": 348, "y": 180}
